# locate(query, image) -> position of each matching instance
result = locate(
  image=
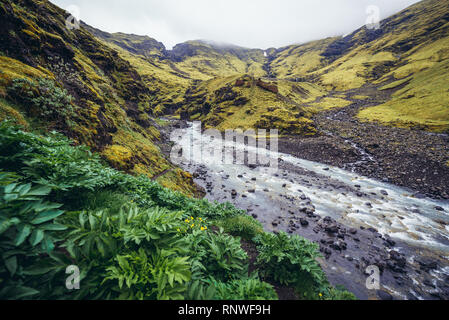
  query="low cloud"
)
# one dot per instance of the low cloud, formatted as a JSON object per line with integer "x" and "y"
{"x": 249, "y": 23}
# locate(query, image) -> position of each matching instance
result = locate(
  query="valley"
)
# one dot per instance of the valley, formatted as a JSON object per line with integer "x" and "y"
{"x": 363, "y": 147}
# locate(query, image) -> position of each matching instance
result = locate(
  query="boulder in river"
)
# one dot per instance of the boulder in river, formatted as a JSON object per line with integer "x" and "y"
{"x": 383, "y": 295}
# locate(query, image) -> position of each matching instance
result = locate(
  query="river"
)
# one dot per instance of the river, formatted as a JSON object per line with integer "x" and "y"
{"x": 379, "y": 223}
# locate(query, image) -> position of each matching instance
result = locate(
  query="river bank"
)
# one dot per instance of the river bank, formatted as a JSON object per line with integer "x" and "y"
{"x": 358, "y": 222}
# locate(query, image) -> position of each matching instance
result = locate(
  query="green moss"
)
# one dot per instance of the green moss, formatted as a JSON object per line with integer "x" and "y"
{"x": 10, "y": 111}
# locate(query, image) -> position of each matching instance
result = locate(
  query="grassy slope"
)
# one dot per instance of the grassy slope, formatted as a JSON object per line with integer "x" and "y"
{"x": 223, "y": 103}
{"x": 410, "y": 46}
{"x": 111, "y": 100}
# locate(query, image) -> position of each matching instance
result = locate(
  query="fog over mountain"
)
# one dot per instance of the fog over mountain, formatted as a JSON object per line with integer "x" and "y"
{"x": 249, "y": 23}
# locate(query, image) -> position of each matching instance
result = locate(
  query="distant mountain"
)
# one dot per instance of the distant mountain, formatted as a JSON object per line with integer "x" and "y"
{"x": 408, "y": 54}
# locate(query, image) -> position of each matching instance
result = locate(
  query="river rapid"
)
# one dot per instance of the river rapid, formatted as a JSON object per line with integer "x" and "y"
{"x": 358, "y": 222}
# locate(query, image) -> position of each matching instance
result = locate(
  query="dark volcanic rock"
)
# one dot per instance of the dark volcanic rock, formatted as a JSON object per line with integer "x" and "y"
{"x": 383, "y": 295}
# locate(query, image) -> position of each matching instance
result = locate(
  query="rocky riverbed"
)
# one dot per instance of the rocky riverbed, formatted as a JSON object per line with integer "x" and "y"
{"x": 358, "y": 221}
{"x": 414, "y": 159}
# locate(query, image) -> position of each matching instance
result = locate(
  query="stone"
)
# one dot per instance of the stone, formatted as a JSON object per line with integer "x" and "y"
{"x": 383, "y": 295}
{"x": 332, "y": 228}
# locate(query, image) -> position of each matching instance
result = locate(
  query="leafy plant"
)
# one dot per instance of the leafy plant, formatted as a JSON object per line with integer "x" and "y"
{"x": 159, "y": 275}
{"x": 291, "y": 260}
{"x": 244, "y": 289}
{"x": 45, "y": 97}
{"x": 242, "y": 225}
{"x": 130, "y": 237}
{"x": 217, "y": 254}
{"x": 27, "y": 233}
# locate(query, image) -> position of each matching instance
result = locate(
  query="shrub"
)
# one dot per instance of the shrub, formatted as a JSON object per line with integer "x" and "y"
{"x": 291, "y": 260}
{"x": 44, "y": 97}
{"x": 217, "y": 255}
{"x": 243, "y": 226}
{"x": 244, "y": 289}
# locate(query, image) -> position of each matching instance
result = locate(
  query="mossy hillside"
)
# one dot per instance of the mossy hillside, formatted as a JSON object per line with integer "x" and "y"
{"x": 410, "y": 46}
{"x": 327, "y": 103}
{"x": 205, "y": 60}
{"x": 424, "y": 102}
{"x": 166, "y": 83}
{"x": 297, "y": 61}
{"x": 243, "y": 102}
{"x": 108, "y": 93}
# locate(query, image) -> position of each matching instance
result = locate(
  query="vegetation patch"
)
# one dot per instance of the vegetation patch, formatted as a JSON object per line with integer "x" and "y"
{"x": 130, "y": 237}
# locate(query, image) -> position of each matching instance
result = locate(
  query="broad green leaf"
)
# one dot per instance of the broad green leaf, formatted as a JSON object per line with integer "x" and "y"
{"x": 11, "y": 264}
{"x": 47, "y": 244}
{"x": 41, "y": 191}
{"x": 23, "y": 233}
{"x": 21, "y": 292}
{"x": 36, "y": 237}
{"x": 53, "y": 227}
{"x": 47, "y": 216}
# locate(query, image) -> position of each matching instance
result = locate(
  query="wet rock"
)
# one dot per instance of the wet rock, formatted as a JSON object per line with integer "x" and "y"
{"x": 275, "y": 223}
{"x": 335, "y": 246}
{"x": 304, "y": 222}
{"x": 383, "y": 192}
{"x": 390, "y": 242}
{"x": 438, "y": 208}
{"x": 333, "y": 228}
{"x": 428, "y": 283}
{"x": 255, "y": 216}
{"x": 353, "y": 231}
{"x": 328, "y": 220}
{"x": 427, "y": 264}
{"x": 383, "y": 295}
{"x": 398, "y": 258}
{"x": 252, "y": 191}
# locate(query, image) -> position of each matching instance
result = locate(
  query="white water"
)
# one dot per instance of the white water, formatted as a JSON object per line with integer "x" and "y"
{"x": 395, "y": 215}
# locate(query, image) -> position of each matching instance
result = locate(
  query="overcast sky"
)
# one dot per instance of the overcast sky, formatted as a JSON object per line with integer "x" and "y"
{"x": 249, "y": 23}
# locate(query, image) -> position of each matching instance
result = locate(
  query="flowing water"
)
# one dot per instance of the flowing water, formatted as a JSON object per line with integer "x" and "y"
{"x": 349, "y": 198}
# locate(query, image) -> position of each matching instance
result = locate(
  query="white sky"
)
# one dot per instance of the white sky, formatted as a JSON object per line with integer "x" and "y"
{"x": 249, "y": 23}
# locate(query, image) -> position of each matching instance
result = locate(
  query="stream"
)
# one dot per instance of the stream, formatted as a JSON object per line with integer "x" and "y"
{"x": 358, "y": 222}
